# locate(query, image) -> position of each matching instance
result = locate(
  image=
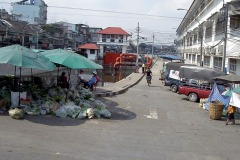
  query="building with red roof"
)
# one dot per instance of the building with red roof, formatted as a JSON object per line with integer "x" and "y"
{"x": 90, "y": 49}
{"x": 112, "y": 39}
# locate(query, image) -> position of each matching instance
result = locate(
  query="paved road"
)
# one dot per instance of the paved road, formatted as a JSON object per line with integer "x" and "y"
{"x": 149, "y": 123}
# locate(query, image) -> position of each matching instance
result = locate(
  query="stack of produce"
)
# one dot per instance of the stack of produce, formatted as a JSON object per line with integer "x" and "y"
{"x": 80, "y": 103}
{"x": 75, "y": 103}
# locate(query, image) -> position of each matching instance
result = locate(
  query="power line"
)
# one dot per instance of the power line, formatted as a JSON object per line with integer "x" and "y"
{"x": 108, "y": 11}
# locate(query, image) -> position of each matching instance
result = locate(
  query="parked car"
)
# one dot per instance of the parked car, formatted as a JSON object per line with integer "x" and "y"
{"x": 195, "y": 93}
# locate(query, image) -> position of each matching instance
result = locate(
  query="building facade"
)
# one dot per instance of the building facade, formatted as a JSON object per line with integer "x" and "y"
{"x": 112, "y": 39}
{"x": 93, "y": 33}
{"x": 91, "y": 50}
{"x": 209, "y": 34}
{"x": 31, "y": 11}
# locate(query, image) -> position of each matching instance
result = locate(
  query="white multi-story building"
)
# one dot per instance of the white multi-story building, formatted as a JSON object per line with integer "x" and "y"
{"x": 31, "y": 11}
{"x": 207, "y": 26}
{"x": 112, "y": 39}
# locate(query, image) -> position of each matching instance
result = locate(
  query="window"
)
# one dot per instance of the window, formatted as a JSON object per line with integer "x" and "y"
{"x": 193, "y": 57}
{"x": 104, "y": 37}
{"x": 208, "y": 32}
{"x": 92, "y": 51}
{"x": 206, "y": 60}
{"x": 112, "y": 38}
{"x": 235, "y": 22}
{"x": 198, "y": 59}
{"x": 120, "y": 38}
{"x": 220, "y": 27}
{"x": 217, "y": 63}
{"x": 233, "y": 66}
{"x": 195, "y": 39}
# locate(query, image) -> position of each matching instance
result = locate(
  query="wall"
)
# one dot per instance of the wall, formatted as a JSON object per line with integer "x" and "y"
{"x": 92, "y": 57}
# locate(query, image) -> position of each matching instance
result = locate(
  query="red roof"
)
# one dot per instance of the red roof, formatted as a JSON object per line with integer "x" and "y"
{"x": 113, "y": 30}
{"x": 88, "y": 46}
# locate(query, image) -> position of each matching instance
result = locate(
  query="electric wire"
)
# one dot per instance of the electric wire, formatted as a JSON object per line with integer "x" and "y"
{"x": 107, "y": 11}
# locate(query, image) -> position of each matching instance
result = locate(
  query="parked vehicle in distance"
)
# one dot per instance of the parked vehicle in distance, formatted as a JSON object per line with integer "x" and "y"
{"x": 174, "y": 84}
{"x": 195, "y": 93}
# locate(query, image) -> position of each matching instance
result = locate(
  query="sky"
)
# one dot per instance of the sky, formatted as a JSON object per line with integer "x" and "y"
{"x": 163, "y": 25}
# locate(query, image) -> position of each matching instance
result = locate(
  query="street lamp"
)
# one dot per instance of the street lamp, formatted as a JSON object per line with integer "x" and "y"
{"x": 182, "y": 9}
{"x": 8, "y": 25}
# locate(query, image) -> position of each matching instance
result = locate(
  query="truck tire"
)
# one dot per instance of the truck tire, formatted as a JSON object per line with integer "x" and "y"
{"x": 174, "y": 88}
{"x": 193, "y": 97}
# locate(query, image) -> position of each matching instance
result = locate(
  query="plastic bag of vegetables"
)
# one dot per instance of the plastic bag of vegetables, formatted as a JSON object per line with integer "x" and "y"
{"x": 61, "y": 112}
{"x": 82, "y": 114}
{"x": 16, "y": 113}
{"x": 105, "y": 113}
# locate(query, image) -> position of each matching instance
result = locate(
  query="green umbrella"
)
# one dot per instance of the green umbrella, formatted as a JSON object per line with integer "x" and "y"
{"x": 23, "y": 57}
{"x": 70, "y": 59}
{"x": 229, "y": 92}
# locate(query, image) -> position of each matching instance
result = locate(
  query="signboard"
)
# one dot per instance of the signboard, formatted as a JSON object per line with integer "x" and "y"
{"x": 174, "y": 74}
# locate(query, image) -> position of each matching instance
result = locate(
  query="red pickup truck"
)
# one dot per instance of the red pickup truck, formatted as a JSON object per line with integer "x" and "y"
{"x": 194, "y": 93}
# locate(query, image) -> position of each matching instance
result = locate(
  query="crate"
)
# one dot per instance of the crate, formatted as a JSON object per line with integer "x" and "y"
{"x": 216, "y": 110}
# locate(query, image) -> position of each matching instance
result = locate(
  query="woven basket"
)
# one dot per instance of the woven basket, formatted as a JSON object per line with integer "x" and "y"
{"x": 216, "y": 110}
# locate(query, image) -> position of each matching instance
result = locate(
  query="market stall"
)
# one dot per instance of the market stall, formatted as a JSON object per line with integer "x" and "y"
{"x": 75, "y": 103}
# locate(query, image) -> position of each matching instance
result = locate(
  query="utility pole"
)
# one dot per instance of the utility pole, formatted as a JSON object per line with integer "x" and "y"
{"x": 153, "y": 45}
{"x": 37, "y": 38}
{"x": 137, "y": 47}
{"x": 225, "y": 36}
{"x": 201, "y": 47}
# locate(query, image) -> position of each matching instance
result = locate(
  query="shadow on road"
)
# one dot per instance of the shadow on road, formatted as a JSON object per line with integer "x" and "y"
{"x": 155, "y": 86}
{"x": 118, "y": 113}
{"x": 54, "y": 121}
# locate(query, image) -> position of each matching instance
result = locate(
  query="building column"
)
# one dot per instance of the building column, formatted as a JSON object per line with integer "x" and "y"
{"x": 101, "y": 51}
{"x": 124, "y": 49}
{"x": 227, "y": 65}
{"x": 211, "y": 61}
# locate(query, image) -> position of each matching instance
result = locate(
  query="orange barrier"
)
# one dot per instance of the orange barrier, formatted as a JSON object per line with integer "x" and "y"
{"x": 124, "y": 57}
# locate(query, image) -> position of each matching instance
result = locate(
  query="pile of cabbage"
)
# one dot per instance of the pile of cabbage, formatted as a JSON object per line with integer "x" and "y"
{"x": 75, "y": 103}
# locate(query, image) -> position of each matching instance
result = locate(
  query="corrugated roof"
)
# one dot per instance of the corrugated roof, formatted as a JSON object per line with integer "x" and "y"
{"x": 113, "y": 30}
{"x": 88, "y": 46}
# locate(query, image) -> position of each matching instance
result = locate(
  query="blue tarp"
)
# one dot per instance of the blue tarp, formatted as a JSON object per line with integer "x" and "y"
{"x": 171, "y": 57}
{"x": 215, "y": 95}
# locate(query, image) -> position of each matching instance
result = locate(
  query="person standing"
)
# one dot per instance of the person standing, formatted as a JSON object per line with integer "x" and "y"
{"x": 143, "y": 68}
{"x": 63, "y": 82}
{"x": 231, "y": 111}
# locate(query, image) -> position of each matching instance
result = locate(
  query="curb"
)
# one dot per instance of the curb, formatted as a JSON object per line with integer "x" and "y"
{"x": 113, "y": 93}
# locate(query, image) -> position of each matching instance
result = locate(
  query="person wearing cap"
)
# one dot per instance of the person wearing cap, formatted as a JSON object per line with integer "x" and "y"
{"x": 94, "y": 80}
{"x": 81, "y": 79}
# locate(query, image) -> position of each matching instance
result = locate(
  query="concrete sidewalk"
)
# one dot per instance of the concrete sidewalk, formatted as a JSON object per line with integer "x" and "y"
{"x": 121, "y": 86}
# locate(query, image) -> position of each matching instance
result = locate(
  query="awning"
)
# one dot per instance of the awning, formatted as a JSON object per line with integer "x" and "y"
{"x": 171, "y": 57}
{"x": 234, "y": 8}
